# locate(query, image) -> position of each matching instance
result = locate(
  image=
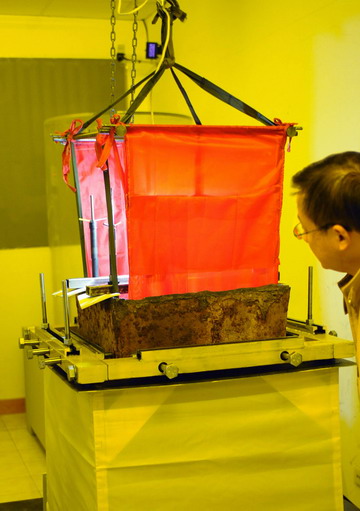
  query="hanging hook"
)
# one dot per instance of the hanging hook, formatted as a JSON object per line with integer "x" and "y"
{"x": 168, "y": 15}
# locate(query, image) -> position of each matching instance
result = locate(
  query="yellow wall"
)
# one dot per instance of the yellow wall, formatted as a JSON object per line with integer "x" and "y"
{"x": 42, "y": 37}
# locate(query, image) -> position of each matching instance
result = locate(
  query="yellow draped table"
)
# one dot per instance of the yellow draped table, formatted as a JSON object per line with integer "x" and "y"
{"x": 265, "y": 442}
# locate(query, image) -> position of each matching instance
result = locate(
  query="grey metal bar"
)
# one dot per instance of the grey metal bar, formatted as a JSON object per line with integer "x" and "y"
{"x": 45, "y": 323}
{"x": 93, "y": 239}
{"x": 310, "y": 320}
{"x": 77, "y": 283}
{"x": 67, "y": 339}
{"x": 110, "y": 217}
{"x": 79, "y": 209}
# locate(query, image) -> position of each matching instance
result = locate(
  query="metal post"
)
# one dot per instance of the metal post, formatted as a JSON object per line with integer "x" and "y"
{"x": 79, "y": 209}
{"x": 45, "y": 323}
{"x": 310, "y": 320}
{"x": 67, "y": 339}
{"x": 112, "y": 247}
{"x": 93, "y": 240}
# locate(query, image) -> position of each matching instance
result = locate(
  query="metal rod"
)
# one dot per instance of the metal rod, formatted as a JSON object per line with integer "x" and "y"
{"x": 110, "y": 217}
{"x": 79, "y": 209}
{"x": 45, "y": 323}
{"x": 67, "y": 339}
{"x": 123, "y": 280}
{"x": 309, "y": 320}
{"x": 93, "y": 240}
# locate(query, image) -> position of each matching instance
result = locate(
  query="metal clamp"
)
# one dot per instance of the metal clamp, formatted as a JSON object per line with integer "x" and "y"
{"x": 28, "y": 342}
{"x": 66, "y": 306}
{"x": 171, "y": 371}
{"x": 71, "y": 372}
{"x": 45, "y": 324}
{"x": 38, "y": 351}
{"x": 43, "y": 362}
{"x": 294, "y": 358}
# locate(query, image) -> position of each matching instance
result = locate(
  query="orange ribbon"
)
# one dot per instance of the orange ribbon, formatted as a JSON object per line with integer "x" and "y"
{"x": 278, "y": 122}
{"x": 103, "y": 145}
{"x": 69, "y": 134}
{"x": 105, "y": 141}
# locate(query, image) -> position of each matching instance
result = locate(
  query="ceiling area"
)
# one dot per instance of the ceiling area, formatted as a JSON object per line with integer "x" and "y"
{"x": 94, "y": 9}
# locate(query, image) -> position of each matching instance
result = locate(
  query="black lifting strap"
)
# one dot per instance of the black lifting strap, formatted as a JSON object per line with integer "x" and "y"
{"x": 134, "y": 87}
{"x": 169, "y": 62}
{"x": 142, "y": 94}
{"x": 224, "y": 96}
{"x": 186, "y": 97}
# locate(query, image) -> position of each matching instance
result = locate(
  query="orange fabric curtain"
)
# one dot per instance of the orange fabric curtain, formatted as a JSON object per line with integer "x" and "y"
{"x": 204, "y": 206}
{"x": 201, "y": 210}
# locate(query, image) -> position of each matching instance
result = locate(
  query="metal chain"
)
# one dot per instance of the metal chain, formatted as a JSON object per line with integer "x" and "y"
{"x": 112, "y": 54}
{"x": 134, "y": 56}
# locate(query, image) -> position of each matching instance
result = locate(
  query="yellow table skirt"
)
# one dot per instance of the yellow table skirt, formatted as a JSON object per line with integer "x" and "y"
{"x": 255, "y": 443}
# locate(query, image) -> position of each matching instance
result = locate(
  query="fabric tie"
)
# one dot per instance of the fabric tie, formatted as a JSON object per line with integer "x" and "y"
{"x": 69, "y": 134}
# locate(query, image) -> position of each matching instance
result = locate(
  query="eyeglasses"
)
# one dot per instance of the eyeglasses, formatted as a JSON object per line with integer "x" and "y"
{"x": 298, "y": 228}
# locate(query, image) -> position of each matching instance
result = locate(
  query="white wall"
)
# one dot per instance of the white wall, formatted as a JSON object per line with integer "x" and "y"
{"x": 20, "y": 305}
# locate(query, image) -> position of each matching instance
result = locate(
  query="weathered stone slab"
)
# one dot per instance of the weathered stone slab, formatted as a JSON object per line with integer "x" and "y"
{"x": 122, "y": 327}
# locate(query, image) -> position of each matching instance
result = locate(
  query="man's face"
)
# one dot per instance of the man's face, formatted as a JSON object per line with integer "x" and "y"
{"x": 323, "y": 243}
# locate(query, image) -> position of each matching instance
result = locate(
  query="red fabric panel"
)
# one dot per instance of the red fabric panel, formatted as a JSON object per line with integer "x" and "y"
{"x": 204, "y": 207}
{"x": 91, "y": 182}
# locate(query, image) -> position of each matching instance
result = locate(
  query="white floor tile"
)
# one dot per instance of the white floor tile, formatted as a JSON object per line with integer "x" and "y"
{"x": 23, "y": 439}
{"x": 6, "y": 443}
{"x": 23, "y": 461}
{"x": 16, "y": 497}
{"x": 33, "y": 455}
{"x": 5, "y": 436}
{"x": 2, "y": 424}
{"x": 38, "y": 480}
{"x": 14, "y": 421}
{"x": 36, "y": 467}
{"x": 15, "y": 488}
{"x": 12, "y": 465}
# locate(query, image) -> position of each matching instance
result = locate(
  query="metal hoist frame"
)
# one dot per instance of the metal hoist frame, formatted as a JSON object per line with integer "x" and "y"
{"x": 134, "y": 43}
{"x": 112, "y": 53}
{"x": 168, "y": 14}
{"x": 134, "y": 55}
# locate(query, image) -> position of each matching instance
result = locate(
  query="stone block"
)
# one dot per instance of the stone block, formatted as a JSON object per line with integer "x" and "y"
{"x": 122, "y": 327}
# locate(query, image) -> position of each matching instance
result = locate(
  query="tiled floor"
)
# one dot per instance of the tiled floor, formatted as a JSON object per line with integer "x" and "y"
{"x": 22, "y": 461}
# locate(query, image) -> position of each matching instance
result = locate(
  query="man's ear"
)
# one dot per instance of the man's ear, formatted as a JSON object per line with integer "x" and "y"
{"x": 343, "y": 236}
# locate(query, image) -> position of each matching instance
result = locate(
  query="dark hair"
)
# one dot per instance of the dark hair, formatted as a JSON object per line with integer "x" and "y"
{"x": 331, "y": 189}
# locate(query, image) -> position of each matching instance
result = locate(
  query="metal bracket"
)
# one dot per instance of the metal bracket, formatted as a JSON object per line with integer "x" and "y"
{"x": 293, "y": 358}
{"x": 23, "y": 343}
{"x": 171, "y": 371}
